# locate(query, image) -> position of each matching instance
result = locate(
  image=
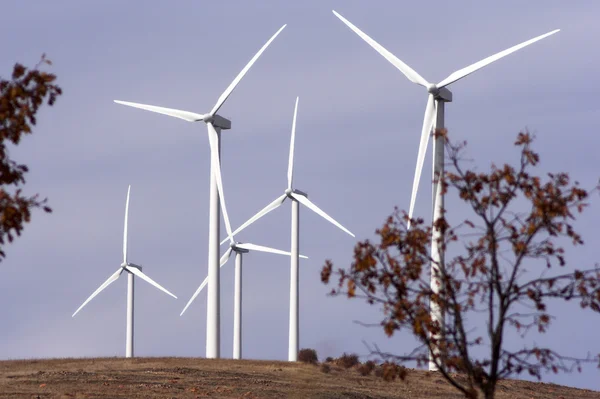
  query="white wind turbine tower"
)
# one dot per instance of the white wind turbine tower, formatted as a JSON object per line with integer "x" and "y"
{"x": 297, "y": 197}
{"x": 239, "y": 249}
{"x": 434, "y": 118}
{"x": 132, "y": 270}
{"x": 215, "y": 123}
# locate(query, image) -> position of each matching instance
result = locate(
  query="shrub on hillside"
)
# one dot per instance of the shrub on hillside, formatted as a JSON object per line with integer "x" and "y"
{"x": 367, "y": 367}
{"x": 347, "y": 360}
{"x": 329, "y": 359}
{"x": 308, "y": 356}
{"x": 390, "y": 371}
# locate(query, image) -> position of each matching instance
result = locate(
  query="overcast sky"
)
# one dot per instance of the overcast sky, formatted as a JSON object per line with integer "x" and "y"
{"x": 358, "y": 130}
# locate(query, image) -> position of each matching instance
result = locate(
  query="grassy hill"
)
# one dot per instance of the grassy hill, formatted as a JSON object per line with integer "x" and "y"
{"x": 204, "y": 378}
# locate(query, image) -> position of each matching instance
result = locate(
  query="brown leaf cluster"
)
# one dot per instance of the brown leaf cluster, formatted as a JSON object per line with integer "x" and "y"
{"x": 20, "y": 99}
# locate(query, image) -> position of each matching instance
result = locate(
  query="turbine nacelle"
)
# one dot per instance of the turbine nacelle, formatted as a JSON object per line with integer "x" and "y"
{"x": 234, "y": 247}
{"x": 130, "y": 265}
{"x": 302, "y": 193}
{"x": 290, "y": 191}
{"x": 444, "y": 94}
{"x": 217, "y": 121}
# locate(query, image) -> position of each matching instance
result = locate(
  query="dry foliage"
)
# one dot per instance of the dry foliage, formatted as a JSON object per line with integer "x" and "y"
{"x": 347, "y": 360}
{"x": 308, "y": 356}
{"x": 367, "y": 367}
{"x": 20, "y": 99}
{"x": 390, "y": 371}
{"x": 503, "y": 270}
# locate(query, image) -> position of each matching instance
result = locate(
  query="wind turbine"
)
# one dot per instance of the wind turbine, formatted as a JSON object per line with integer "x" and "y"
{"x": 132, "y": 270}
{"x": 239, "y": 249}
{"x": 434, "y": 118}
{"x": 215, "y": 123}
{"x": 297, "y": 197}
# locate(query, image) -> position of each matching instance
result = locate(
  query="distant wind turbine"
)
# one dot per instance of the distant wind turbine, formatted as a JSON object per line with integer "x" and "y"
{"x": 239, "y": 249}
{"x": 297, "y": 197}
{"x": 132, "y": 270}
{"x": 434, "y": 118}
{"x": 214, "y": 123}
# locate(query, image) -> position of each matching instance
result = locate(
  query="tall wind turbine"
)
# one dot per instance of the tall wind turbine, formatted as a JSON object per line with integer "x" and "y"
{"x": 239, "y": 249}
{"x": 434, "y": 119}
{"x": 132, "y": 270}
{"x": 297, "y": 197}
{"x": 215, "y": 123}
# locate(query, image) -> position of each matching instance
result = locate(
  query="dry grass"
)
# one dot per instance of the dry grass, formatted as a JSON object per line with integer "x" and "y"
{"x": 203, "y": 378}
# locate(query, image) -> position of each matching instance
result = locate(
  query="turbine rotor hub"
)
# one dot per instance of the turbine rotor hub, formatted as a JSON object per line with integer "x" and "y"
{"x": 433, "y": 89}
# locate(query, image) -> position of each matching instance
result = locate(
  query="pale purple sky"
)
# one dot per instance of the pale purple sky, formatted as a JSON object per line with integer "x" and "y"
{"x": 358, "y": 130}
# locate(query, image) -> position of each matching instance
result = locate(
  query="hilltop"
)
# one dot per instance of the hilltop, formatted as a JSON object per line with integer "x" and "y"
{"x": 202, "y": 378}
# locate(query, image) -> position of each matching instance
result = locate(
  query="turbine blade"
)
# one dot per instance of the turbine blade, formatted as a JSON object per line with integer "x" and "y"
{"x": 425, "y": 133}
{"x": 105, "y": 284}
{"x": 291, "y": 162}
{"x": 213, "y": 138}
{"x": 205, "y": 282}
{"x": 195, "y": 295}
{"x": 461, "y": 73}
{"x": 185, "y": 115}
{"x": 278, "y": 201}
{"x": 239, "y": 77}
{"x": 254, "y": 247}
{"x": 125, "y": 228}
{"x": 141, "y": 275}
{"x": 306, "y": 202}
{"x": 410, "y": 73}
{"x": 225, "y": 256}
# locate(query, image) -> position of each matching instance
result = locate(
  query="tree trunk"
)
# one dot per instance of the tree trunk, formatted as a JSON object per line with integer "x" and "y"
{"x": 489, "y": 393}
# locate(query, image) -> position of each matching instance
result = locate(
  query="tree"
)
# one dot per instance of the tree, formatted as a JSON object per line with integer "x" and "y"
{"x": 500, "y": 270}
{"x": 20, "y": 99}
